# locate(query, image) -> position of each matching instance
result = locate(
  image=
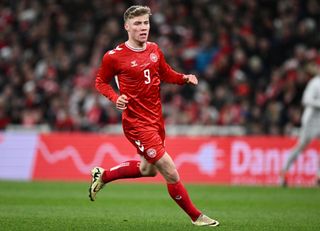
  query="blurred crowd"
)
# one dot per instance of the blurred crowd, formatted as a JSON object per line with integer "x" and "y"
{"x": 253, "y": 59}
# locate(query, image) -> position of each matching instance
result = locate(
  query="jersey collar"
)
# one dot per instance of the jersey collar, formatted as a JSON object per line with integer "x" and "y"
{"x": 134, "y": 48}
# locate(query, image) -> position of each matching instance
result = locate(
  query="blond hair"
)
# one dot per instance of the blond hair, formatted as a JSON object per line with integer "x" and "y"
{"x": 135, "y": 11}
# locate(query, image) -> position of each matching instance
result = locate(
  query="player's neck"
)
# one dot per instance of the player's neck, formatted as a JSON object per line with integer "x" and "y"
{"x": 135, "y": 45}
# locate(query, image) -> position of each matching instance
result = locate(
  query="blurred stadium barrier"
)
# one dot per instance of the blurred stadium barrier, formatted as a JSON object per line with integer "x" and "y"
{"x": 189, "y": 130}
{"x": 203, "y": 159}
{"x": 171, "y": 130}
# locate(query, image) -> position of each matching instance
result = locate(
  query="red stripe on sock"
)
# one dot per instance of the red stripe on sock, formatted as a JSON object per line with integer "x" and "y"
{"x": 180, "y": 195}
{"x": 128, "y": 169}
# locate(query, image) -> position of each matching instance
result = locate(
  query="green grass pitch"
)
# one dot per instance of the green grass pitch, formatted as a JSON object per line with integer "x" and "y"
{"x": 131, "y": 206}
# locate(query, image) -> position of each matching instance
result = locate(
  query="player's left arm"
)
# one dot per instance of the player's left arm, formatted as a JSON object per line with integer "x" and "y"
{"x": 167, "y": 74}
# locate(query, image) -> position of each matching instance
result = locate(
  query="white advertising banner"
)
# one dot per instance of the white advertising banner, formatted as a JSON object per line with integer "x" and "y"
{"x": 17, "y": 152}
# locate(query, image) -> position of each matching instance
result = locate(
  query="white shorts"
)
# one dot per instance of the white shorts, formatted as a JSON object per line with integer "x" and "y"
{"x": 311, "y": 129}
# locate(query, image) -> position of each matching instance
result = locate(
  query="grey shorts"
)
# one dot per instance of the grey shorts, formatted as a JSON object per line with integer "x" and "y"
{"x": 311, "y": 129}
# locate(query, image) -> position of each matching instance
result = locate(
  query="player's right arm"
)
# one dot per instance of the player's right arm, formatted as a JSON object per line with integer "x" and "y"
{"x": 104, "y": 75}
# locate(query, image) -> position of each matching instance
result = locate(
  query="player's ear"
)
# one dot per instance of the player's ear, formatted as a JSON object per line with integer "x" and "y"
{"x": 126, "y": 26}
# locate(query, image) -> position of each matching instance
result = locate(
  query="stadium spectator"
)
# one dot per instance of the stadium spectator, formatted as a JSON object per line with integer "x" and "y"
{"x": 140, "y": 67}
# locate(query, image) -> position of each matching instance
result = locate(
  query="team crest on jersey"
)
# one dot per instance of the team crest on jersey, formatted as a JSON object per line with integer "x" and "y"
{"x": 153, "y": 57}
{"x": 151, "y": 152}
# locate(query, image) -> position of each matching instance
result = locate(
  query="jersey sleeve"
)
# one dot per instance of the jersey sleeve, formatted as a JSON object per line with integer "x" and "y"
{"x": 311, "y": 94}
{"x": 104, "y": 75}
{"x": 167, "y": 74}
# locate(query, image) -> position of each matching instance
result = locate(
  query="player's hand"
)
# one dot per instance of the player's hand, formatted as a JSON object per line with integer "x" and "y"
{"x": 192, "y": 79}
{"x": 122, "y": 101}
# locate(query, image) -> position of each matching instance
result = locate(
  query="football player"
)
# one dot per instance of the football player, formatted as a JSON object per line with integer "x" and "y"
{"x": 139, "y": 67}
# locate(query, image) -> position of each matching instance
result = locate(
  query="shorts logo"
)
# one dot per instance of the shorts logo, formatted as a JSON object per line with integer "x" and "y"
{"x": 153, "y": 57}
{"x": 140, "y": 146}
{"x": 151, "y": 152}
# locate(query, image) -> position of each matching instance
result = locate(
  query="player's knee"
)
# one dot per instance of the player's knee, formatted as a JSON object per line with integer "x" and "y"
{"x": 171, "y": 176}
{"x": 148, "y": 171}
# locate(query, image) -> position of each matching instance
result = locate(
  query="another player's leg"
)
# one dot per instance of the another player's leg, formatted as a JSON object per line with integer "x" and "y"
{"x": 318, "y": 175}
{"x": 128, "y": 169}
{"x": 299, "y": 147}
{"x": 179, "y": 194}
{"x": 318, "y": 179}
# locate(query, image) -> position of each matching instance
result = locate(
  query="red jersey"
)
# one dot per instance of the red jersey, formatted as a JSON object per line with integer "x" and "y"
{"x": 138, "y": 74}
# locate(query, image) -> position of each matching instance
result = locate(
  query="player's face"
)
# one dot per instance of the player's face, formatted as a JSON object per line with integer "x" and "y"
{"x": 138, "y": 29}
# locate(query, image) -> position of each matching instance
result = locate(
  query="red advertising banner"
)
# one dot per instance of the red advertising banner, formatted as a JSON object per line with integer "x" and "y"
{"x": 223, "y": 160}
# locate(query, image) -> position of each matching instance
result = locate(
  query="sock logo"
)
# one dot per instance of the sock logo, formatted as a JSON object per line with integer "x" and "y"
{"x": 178, "y": 197}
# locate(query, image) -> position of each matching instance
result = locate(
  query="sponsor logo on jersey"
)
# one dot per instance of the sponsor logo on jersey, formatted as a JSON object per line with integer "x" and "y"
{"x": 153, "y": 57}
{"x": 134, "y": 63}
{"x": 144, "y": 65}
{"x": 151, "y": 152}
